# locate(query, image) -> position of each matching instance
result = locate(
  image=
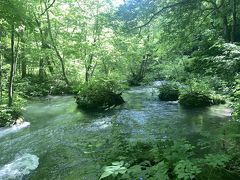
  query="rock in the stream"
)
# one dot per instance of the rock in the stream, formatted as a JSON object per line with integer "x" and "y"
{"x": 195, "y": 99}
{"x": 99, "y": 95}
{"x": 168, "y": 92}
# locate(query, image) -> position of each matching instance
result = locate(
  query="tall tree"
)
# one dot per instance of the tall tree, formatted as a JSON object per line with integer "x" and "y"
{"x": 54, "y": 45}
{"x": 13, "y": 64}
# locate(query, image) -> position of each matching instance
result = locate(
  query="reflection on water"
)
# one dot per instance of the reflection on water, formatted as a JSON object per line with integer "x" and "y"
{"x": 62, "y": 137}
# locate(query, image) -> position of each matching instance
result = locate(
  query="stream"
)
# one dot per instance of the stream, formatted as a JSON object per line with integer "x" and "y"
{"x": 57, "y": 139}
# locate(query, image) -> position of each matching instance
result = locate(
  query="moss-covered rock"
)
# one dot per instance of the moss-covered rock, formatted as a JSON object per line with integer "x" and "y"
{"x": 217, "y": 99}
{"x": 9, "y": 116}
{"x": 195, "y": 99}
{"x": 168, "y": 92}
{"x": 99, "y": 95}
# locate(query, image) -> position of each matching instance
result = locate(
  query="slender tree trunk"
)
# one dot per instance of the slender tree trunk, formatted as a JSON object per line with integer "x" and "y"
{"x": 88, "y": 67}
{"x": 1, "y": 78}
{"x": 24, "y": 68}
{"x": 50, "y": 67}
{"x": 44, "y": 46}
{"x": 93, "y": 70}
{"x": 55, "y": 47}
{"x": 226, "y": 33}
{"x": 41, "y": 69}
{"x": 11, "y": 79}
{"x": 0, "y": 68}
{"x": 225, "y": 29}
{"x": 106, "y": 69}
{"x": 234, "y": 21}
{"x": 16, "y": 52}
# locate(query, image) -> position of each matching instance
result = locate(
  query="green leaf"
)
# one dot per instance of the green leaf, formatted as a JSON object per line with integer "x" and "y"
{"x": 105, "y": 174}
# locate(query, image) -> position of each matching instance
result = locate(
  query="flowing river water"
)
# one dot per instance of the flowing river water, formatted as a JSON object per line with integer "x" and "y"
{"x": 57, "y": 140}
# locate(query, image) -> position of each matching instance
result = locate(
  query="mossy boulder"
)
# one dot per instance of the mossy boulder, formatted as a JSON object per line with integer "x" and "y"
{"x": 168, "y": 92}
{"x": 195, "y": 99}
{"x": 99, "y": 95}
{"x": 217, "y": 99}
{"x": 9, "y": 116}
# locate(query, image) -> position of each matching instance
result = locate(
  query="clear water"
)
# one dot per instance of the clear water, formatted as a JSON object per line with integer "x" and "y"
{"x": 59, "y": 140}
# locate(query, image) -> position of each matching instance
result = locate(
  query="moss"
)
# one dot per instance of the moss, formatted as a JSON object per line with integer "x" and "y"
{"x": 195, "y": 99}
{"x": 9, "y": 116}
{"x": 99, "y": 95}
{"x": 168, "y": 92}
{"x": 217, "y": 99}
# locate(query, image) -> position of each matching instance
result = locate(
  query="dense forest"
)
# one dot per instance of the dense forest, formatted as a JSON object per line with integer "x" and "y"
{"x": 156, "y": 72}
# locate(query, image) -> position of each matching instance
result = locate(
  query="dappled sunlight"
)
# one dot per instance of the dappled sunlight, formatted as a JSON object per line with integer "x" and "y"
{"x": 119, "y": 89}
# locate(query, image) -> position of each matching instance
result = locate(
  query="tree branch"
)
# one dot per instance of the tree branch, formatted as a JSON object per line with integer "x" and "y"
{"x": 48, "y": 8}
{"x": 161, "y": 11}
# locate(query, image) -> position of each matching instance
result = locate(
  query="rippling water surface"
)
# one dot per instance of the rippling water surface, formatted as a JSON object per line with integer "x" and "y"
{"x": 54, "y": 142}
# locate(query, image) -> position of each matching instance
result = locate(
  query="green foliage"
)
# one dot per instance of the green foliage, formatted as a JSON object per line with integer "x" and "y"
{"x": 145, "y": 171}
{"x": 236, "y": 90}
{"x": 33, "y": 87}
{"x": 217, "y": 99}
{"x": 99, "y": 94}
{"x": 160, "y": 170}
{"x": 9, "y": 115}
{"x": 199, "y": 93}
{"x": 178, "y": 161}
{"x": 177, "y": 150}
{"x": 223, "y": 63}
{"x": 169, "y": 92}
{"x": 217, "y": 160}
{"x": 135, "y": 80}
{"x": 197, "y": 84}
{"x": 140, "y": 152}
{"x": 185, "y": 169}
{"x": 236, "y": 113}
{"x": 117, "y": 168}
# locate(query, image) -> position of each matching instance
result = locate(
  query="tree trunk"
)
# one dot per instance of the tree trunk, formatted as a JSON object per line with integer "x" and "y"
{"x": 234, "y": 21}
{"x": 225, "y": 29}
{"x": 55, "y": 47}
{"x": 0, "y": 77}
{"x": 24, "y": 68}
{"x": 41, "y": 69}
{"x": 88, "y": 67}
{"x": 44, "y": 46}
{"x": 0, "y": 69}
{"x": 11, "y": 79}
{"x": 226, "y": 33}
{"x": 50, "y": 67}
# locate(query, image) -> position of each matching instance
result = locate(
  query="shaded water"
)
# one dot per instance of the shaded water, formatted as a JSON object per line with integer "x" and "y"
{"x": 59, "y": 140}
